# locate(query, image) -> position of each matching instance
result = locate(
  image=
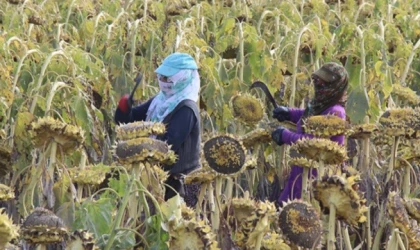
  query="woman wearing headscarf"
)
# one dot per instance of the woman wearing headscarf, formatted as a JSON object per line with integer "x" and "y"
{"x": 175, "y": 105}
{"x": 330, "y": 85}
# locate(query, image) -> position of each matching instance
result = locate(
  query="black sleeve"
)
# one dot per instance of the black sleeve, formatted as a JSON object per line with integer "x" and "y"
{"x": 138, "y": 113}
{"x": 179, "y": 127}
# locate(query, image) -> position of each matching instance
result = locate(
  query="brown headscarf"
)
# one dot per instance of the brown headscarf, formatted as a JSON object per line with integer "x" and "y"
{"x": 332, "y": 91}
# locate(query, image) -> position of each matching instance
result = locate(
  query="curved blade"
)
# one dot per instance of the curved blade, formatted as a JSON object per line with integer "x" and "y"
{"x": 138, "y": 81}
{"x": 261, "y": 85}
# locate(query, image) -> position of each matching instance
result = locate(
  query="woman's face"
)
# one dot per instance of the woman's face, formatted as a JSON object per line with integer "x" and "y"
{"x": 319, "y": 85}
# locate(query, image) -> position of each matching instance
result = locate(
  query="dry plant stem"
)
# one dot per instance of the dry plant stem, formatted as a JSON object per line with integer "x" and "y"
{"x": 51, "y": 170}
{"x": 331, "y": 228}
{"x": 218, "y": 207}
{"x": 133, "y": 202}
{"x": 304, "y": 193}
{"x": 82, "y": 166}
{"x": 409, "y": 61}
{"x": 381, "y": 228}
{"x": 393, "y": 157}
{"x": 367, "y": 227}
{"x": 214, "y": 219}
{"x": 199, "y": 204}
{"x": 400, "y": 241}
{"x": 263, "y": 223}
{"x": 392, "y": 243}
{"x": 406, "y": 187}
{"x": 347, "y": 242}
{"x": 321, "y": 169}
{"x": 229, "y": 188}
{"x": 365, "y": 151}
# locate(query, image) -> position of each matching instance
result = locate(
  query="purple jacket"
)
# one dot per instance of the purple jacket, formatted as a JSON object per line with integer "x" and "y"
{"x": 293, "y": 187}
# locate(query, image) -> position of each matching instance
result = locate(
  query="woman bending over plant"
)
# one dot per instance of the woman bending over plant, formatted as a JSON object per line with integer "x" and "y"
{"x": 330, "y": 84}
{"x": 175, "y": 106}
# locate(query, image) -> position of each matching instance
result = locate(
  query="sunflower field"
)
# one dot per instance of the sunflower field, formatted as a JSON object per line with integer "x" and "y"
{"x": 70, "y": 178}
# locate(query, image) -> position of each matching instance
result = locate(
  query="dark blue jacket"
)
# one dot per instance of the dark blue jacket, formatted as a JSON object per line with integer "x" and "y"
{"x": 182, "y": 132}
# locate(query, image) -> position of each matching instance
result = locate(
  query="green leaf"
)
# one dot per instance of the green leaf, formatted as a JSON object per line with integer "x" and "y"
{"x": 357, "y": 105}
{"x": 96, "y": 216}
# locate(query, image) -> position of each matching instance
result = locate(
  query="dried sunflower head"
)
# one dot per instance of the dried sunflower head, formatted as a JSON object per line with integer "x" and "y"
{"x": 139, "y": 129}
{"x": 8, "y": 230}
{"x": 82, "y": 239}
{"x": 303, "y": 162}
{"x": 144, "y": 149}
{"x": 43, "y": 226}
{"x": 381, "y": 139}
{"x": 405, "y": 94}
{"x": 243, "y": 207}
{"x": 48, "y": 129}
{"x": 300, "y": 224}
{"x": 413, "y": 208}
{"x": 224, "y": 154}
{"x": 256, "y": 137}
{"x": 5, "y": 160}
{"x": 361, "y": 131}
{"x": 325, "y": 125}
{"x": 342, "y": 192}
{"x": 247, "y": 108}
{"x": 319, "y": 149}
{"x": 200, "y": 176}
{"x": 6, "y": 193}
{"x": 398, "y": 122}
{"x": 91, "y": 175}
{"x": 274, "y": 241}
{"x": 192, "y": 235}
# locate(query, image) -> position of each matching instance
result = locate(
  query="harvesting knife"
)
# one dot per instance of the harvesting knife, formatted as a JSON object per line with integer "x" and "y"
{"x": 261, "y": 85}
{"x": 138, "y": 81}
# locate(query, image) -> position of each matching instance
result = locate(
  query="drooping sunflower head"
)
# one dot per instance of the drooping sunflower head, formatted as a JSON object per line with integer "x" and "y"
{"x": 405, "y": 94}
{"x": 243, "y": 207}
{"x": 6, "y": 193}
{"x": 224, "y": 154}
{"x": 398, "y": 122}
{"x": 91, "y": 175}
{"x": 320, "y": 149}
{"x": 325, "y": 125}
{"x": 139, "y": 129}
{"x": 413, "y": 208}
{"x": 247, "y": 108}
{"x": 256, "y": 137}
{"x": 8, "y": 231}
{"x": 144, "y": 149}
{"x": 43, "y": 226}
{"x": 342, "y": 192}
{"x": 200, "y": 176}
{"x": 303, "y": 162}
{"x": 360, "y": 131}
{"x": 47, "y": 129}
{"x": 5, "y": 160}
{"x": 192, "y": 235}
{"x": 300, "y": 224}
{"x": 82, "y": 239}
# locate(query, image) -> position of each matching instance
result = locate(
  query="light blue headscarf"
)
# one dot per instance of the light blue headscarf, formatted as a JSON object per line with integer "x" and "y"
{"x": 183, "y": 85}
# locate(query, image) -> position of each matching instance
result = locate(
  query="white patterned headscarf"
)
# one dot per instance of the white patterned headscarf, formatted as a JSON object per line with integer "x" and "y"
{"x": 183, "y": 85}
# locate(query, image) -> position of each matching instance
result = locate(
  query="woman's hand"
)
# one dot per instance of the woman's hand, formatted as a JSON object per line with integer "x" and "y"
{"x": 277, "y": 135}
{"x": 125, "y": 104}
{"x": 281, "y": 114}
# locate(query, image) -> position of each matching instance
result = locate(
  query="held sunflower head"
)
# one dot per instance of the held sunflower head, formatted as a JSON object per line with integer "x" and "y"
{"x": 48, "y": 129}
{"x": 139, "y": 129}
{"x": 319, "y": 149}
{"x": 224, "y": 154}
{"x": 42, "y": 226}
{"x": 144, "y": 149}
{"x": 256, "y": 137}
{"x": 8, "y": 231}
{"x": 325, "y": 125}
{"x": 342, "y": 192}
{"x": 300, "y": 224}
{"x": 247, "y": 108}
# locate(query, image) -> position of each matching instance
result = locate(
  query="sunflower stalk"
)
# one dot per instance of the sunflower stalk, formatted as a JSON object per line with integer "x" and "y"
{"x": 304, "y": 193}
{"x": 199, "y": 204}
{"x": 214, "y": 217}
{"x": 365, "y": 152}
{"x": 381, "y": 228}
{"x": 82, "y": 165}
{"x": 218, "y": 190}
{"x": 331, "y": 227}
{"x": 261, "y": 225}
{"x": 51, "y": 170}
{"x": 229, "y": 189}
{"x": 347, "y": 242}
{"x": 400, "y": 241}
{"x": 393, "y": 158}
{"x": 406, "y": 187}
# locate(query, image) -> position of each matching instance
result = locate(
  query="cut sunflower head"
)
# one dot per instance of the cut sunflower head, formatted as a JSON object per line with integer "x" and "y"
{"x": 6, "y": 193}
{"x": 144, "y": 149}
{"x": 48, "y": 129}
{"x": 91, "y": 175}
{"x": 256, "y": 137}
{"x": 342, "y": 192}
{"x": 325, "y": 125}
{"x": 192, "y": 235}
{"x": 300, "y": 224}
{"x": 8, "y": 231}
{"x": 319, "y": 149}
{"x": 5, "y": 160}
{"x": 406, "y": 94}
{"x": 139, "y": 129}
{"x": 224, "y": 154}
{"x": 247, "y": 108}
{"x": 43, "y": 226}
